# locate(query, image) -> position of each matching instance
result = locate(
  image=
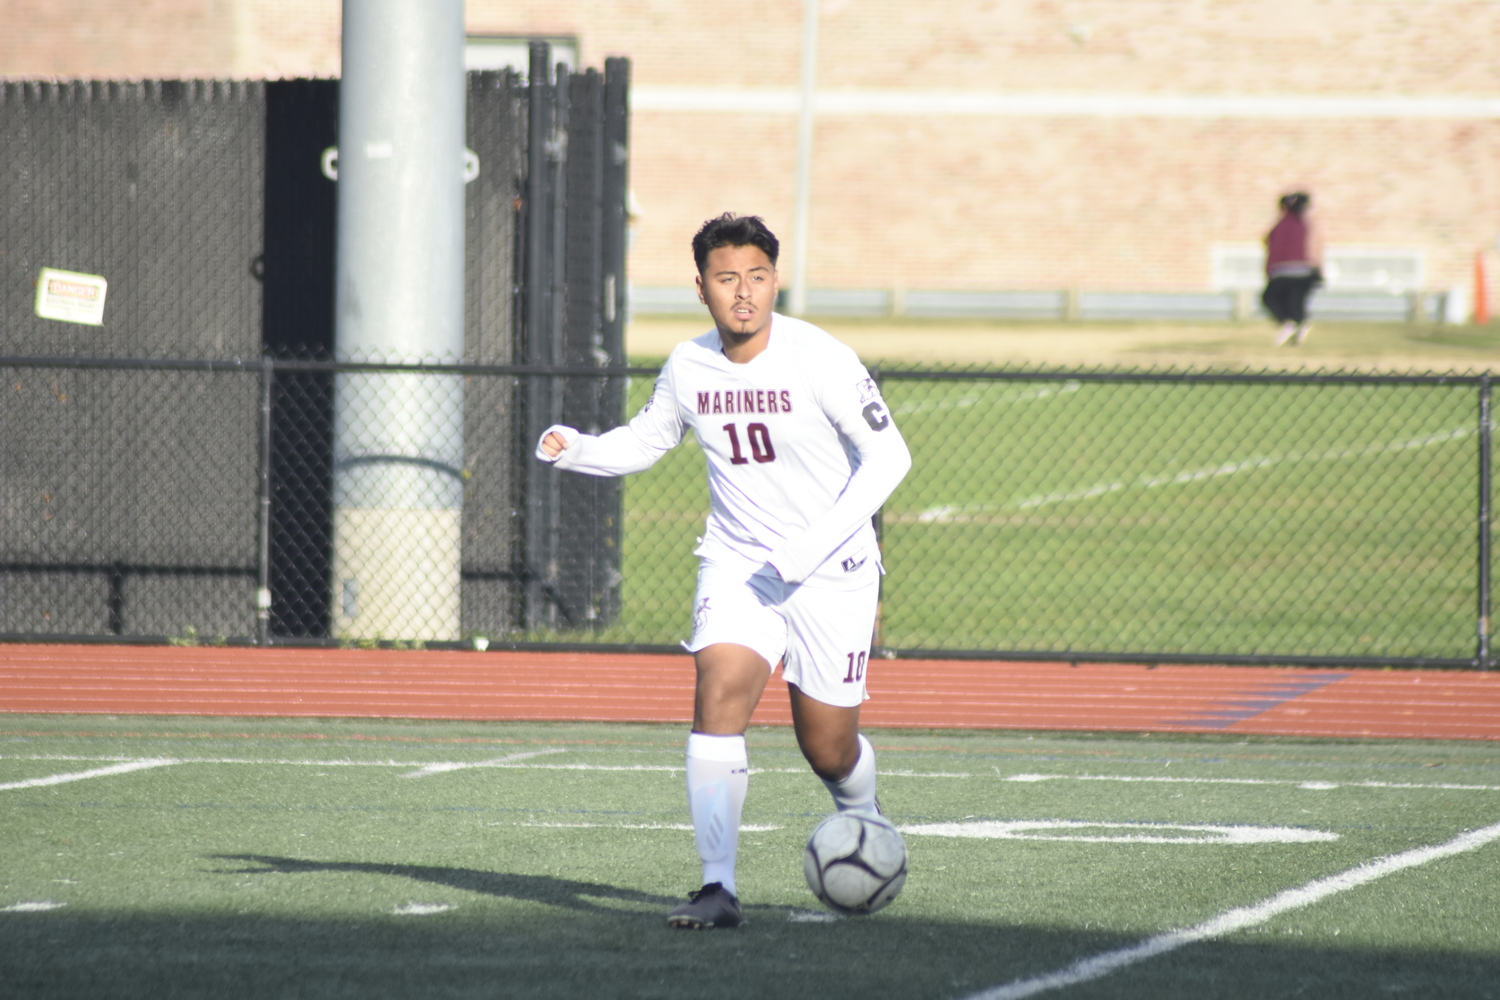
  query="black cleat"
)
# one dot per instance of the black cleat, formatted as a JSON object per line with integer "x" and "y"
{"x": 710, "y": 907}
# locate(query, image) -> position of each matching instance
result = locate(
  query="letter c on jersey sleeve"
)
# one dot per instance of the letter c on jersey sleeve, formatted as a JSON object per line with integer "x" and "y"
{"x": 876, "y": 416}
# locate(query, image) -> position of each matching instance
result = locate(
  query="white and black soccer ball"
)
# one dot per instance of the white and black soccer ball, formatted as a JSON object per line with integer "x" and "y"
{"x": 855, "y": 862}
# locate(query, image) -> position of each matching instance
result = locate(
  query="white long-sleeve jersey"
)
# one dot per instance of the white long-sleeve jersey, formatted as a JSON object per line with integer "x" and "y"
{"x": 801, "y": 449}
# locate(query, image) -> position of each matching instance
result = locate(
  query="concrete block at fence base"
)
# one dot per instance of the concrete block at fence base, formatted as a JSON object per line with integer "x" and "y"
{"x": 396, "y": 574}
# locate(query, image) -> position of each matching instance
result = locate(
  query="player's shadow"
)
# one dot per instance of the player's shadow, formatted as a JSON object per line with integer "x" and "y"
{"x": 531, "y": 888}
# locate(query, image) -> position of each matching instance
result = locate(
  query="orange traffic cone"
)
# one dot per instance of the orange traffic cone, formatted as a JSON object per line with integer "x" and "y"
{"x": 1481, "y": 303}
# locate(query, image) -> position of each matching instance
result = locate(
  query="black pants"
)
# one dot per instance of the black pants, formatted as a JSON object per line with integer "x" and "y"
{"x": 1285, "y": 298}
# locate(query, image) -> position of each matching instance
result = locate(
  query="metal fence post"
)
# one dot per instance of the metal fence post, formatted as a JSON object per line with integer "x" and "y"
{"x": 263, "y": 555}
{"x": 1484, "y": 522}
{"x": 877, "y": 641}
{"x": 557, "y": 155}
{"x": 537, "y": 335}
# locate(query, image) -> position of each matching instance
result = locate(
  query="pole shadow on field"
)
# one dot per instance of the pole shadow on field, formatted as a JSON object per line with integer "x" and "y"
{"x": 530, "y": 888}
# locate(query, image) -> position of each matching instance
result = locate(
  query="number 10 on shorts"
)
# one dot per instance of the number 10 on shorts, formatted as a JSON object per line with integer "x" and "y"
{"x": 856, "y": 667}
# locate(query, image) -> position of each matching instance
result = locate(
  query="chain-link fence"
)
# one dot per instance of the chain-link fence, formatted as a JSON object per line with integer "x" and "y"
{"x": 1321, "y": 519}
{"x": 1153, "y": 517}
{"x": 1159, "y": 517}
{"x": 247, "y": 502}
{"x": 201, "y": 468}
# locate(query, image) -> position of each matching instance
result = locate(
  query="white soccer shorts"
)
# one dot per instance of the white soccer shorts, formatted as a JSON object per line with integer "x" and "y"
{"x": 821, "y": 635}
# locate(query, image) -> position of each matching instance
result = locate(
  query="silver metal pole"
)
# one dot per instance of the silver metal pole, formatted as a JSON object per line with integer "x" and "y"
{"x": 797, "y": 304}
{"x": 398, "y": 437}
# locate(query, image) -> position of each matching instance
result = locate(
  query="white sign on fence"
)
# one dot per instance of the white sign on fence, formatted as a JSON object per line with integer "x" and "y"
{"x": 70, "y": 296}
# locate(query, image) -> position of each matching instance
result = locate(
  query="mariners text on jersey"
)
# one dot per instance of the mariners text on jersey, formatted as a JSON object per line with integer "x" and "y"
{"x": 745, "y": 401}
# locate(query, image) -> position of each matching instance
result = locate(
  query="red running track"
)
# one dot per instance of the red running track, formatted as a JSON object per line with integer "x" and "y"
{"x": 152, "y": 680}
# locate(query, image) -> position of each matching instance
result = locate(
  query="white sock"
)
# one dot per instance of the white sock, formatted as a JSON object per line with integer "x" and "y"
{"x": 857, "y": 790}
{"x": 718, "y": 775}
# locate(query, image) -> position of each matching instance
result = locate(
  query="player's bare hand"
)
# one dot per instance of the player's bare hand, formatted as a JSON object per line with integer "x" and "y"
{"x": 554, "y": 444}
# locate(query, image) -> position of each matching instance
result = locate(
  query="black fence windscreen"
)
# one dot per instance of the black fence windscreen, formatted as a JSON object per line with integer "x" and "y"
{"x": 123, "y": 516}
{"x": 209, "y": 209}
{"x": 155, "y": 185}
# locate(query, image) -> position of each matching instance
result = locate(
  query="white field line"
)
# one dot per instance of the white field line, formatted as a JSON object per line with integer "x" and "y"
{"x": 441, "y": 768}
{"x": 69, "y": 757}
{"x": 1238, "y": 919}
{"x": 671, "y": 768}
{"x": 1139, "y": 833}
{"x": 1316, "y": 786}
{"x": 417, "y": 764}
{"x": 744, "y": 827}
{"x": 38, "y": 907}
{"x": 989, "y": 399}
{"x": 98, "y": 772}
{"x": 813, "y": 917}
{"x": 945, "y": 514}
{"x": 423, "y": 909}
{"x": 579, "y": 767}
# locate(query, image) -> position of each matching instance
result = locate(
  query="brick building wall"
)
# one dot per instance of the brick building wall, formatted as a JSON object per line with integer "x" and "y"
{"x": 139, "y": 39}
{"x": 939, "y": 162}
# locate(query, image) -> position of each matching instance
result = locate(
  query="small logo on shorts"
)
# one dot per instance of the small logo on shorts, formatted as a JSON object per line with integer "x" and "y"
{"x": 851, "y": 564}
{"x": 700, "y": 616}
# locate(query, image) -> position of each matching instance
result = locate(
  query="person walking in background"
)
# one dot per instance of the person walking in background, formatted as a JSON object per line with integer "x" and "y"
{"x": 1294, "y": 261}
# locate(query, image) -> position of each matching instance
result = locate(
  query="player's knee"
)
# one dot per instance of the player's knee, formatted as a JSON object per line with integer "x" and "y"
{"x": 831, "y": 759}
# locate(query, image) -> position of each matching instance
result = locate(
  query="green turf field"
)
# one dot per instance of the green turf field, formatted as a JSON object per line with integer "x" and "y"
{"x": 1279, "y": 519}
{"x": 254, "y": 858}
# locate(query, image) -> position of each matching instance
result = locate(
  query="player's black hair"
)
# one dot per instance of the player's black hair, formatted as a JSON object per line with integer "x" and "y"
{"x": 1296, "y": 202}
{"x": 730, "y": 230}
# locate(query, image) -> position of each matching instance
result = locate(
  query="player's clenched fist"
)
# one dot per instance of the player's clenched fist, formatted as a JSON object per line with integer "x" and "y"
{"x": 555, "y": 440}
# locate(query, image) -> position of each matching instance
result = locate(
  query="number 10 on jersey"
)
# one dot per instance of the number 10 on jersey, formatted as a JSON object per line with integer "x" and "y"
{"x": 760, "y": 444}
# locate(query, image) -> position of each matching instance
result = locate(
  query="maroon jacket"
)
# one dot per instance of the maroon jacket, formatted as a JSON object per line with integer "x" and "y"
{"x": 1286, "y": 246}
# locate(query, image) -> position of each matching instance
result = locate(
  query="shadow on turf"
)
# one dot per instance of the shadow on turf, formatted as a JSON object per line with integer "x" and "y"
{"x": 531, "y": 888}
{"x": 63, "y": 954}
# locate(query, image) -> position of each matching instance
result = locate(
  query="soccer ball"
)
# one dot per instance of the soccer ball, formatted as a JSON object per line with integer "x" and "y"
{"x": 855, "y": 862}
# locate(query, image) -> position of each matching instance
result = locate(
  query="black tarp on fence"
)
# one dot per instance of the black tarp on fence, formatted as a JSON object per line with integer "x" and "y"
{"x": 205, "y": 206}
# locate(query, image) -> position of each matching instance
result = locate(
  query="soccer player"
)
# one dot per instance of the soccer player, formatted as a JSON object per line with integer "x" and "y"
{"x": 801, "y": 453}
